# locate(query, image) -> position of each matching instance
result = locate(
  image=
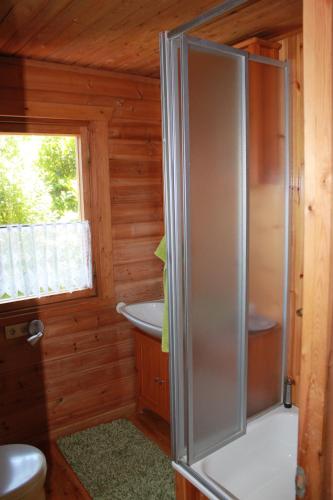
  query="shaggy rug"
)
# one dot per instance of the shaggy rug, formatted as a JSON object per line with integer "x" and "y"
{"x": 116, "y": 461}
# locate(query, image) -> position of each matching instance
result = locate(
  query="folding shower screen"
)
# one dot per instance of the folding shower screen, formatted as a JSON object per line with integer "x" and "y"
{"x": 206, "y": 160}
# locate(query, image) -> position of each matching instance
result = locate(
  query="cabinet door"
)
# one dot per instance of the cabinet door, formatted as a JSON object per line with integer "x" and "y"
{"x": 148, "y": 365}
{"x": 264, "y": 370}
{"x": 165, "y": 387}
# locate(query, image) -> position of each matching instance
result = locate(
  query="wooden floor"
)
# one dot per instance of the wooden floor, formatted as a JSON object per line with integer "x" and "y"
{"x": 61, "y": 481}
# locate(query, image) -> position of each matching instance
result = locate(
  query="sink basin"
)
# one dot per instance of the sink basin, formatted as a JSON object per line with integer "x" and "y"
{"x": 147, "y": 316}
{"x": 257, "y": 323}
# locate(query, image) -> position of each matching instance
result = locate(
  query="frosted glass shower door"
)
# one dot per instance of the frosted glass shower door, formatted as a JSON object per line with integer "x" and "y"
{"x": 213, "y": 89}
{"x": 219, "y": 196}
{"x": 268, "y": 231}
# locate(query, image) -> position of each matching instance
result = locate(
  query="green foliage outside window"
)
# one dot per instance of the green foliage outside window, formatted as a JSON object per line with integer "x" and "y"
{"x": 38, "y": 179}
{"x": 57, "y": 163}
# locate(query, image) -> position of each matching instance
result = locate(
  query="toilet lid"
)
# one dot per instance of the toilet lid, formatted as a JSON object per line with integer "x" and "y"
{"x": 21, "y": 465}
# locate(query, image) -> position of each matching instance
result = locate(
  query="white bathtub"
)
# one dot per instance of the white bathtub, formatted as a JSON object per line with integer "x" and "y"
{"x": 261, "y": 465}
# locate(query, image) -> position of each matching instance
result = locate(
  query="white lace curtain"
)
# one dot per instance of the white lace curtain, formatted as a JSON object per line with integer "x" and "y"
{"x": 43, "y": 259}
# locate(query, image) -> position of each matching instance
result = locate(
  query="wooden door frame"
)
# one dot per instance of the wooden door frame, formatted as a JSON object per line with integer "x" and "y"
{"x": 315, "y": 433}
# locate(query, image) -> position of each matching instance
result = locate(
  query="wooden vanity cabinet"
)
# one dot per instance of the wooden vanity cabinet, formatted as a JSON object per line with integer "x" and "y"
{"x": 152, "y": 367}
{"x": 263, "y": 370}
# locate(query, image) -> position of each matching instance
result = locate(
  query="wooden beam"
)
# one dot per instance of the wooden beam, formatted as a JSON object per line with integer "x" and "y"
{"x": 55, "y": 77}
{"x": 318, "y": 255}
{"x": 101, "y": 199}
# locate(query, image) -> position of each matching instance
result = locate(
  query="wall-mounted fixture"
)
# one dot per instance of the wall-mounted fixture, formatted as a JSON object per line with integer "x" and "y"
{"x": 34, "y": 331}
{"x": 15, "y": 331}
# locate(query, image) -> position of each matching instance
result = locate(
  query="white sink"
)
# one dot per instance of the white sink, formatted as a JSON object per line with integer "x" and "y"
{"x": 147, "y": 316}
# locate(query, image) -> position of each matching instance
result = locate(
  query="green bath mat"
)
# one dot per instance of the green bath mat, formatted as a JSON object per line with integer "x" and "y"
{"x": 116, "y": 461}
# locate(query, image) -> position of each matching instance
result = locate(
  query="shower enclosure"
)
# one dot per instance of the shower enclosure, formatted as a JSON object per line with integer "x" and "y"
{"x": 226, "y": 175}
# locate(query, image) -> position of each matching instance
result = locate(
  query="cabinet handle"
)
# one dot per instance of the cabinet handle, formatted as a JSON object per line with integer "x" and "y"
{"x": 157, "y": 380}
{"x": 161, "y": 381}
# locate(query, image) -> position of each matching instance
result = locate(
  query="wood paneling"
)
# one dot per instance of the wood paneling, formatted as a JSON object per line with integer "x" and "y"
{"x": 101, "y": 213}
{"x": 137, "y": 213}
{"x": 72, "y": 375}
{"x": 62, "y": 92}
{"x": 76, "y": 80}
{"x": 315, "y": 432}
{"x": 82, "y": 372}
{"x": 186, "y": 491}
{"x": 123, "y": 36}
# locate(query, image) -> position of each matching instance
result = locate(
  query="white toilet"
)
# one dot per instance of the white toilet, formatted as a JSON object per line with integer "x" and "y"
{"x": 22, "y": 472}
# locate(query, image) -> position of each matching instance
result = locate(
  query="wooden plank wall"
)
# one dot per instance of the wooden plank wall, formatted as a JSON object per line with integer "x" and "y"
{"x": 137, "y": 209}
{"x": 82, "y": 372}
{"x": 315, "y": 433}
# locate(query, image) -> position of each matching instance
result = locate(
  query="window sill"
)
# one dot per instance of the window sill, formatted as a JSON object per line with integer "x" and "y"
{"x": 52, "y": 305}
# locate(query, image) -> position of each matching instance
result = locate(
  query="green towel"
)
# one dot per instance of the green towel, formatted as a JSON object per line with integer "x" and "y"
{"x": 161, "y": 253}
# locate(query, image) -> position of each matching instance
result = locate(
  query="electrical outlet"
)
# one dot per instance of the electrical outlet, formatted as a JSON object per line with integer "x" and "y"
{"x": 14, "y": 331}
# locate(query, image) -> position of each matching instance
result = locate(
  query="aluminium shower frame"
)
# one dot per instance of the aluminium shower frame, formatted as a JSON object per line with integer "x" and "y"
{"x": 175, "y": 199}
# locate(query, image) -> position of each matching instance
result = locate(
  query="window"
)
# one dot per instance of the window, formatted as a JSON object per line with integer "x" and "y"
{"x": 45, "y": 246}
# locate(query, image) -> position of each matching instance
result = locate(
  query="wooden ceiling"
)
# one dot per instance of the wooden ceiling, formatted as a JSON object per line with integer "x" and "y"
{"x": 122, "y": 35}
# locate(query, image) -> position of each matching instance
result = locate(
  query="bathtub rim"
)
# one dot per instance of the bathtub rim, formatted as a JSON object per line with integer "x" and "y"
{"x": 197, "y": 480}
{"x": 207, "y": 485}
